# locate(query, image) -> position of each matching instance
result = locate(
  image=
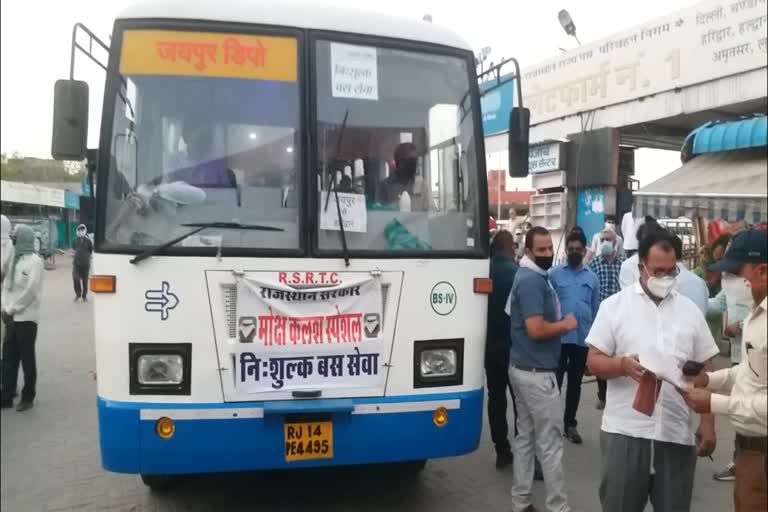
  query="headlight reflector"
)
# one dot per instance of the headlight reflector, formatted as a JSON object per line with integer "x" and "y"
{"x": 438, "y": 362}
{"x": 160, "y": 369}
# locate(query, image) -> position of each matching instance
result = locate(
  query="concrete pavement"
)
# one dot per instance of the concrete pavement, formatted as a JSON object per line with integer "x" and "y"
{"x": 50, "y": 457}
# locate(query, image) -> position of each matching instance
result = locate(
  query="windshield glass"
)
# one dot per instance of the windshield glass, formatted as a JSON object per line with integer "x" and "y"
{"x": 205, "y": 129}
{"x": 396, "y": 137}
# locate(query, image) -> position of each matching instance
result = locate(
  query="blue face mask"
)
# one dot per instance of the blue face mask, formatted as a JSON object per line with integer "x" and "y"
{"x": 606, "y": 248}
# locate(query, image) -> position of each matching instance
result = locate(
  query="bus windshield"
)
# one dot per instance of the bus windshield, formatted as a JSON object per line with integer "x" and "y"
{"x": 402, "y": 125}
{"x": 394, "y": 140}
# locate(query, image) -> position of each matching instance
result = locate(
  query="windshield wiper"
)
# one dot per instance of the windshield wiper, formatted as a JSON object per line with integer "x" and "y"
{"x": 199, "y": 226}
{"x": 343, "y": 234}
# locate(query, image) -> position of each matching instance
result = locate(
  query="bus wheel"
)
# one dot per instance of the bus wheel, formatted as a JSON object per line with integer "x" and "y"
{"x": 413, "y": 467}
{"x": 159, "y": 483}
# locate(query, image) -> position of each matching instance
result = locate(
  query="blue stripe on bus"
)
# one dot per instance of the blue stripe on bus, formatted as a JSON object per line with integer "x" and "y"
{"x": 129, "y": 445}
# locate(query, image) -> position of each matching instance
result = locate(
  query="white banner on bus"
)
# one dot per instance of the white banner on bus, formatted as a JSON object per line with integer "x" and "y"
{"x": 319, "y": 338}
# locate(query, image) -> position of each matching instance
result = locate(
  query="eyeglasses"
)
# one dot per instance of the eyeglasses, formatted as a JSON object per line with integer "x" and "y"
{"x": 659, "y": 273}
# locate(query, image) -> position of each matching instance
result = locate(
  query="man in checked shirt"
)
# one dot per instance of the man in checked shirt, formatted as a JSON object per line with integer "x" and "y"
{"x": 606, "y": 265}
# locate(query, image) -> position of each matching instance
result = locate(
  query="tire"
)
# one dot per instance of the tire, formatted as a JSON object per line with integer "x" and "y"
{"x": 413, "y": 467}
{"x": 160, "y": 483}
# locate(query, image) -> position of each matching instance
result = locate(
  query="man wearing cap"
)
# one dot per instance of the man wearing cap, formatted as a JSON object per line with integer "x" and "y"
{"x": 81, "y": 263}
{"x": 747, "y": 404}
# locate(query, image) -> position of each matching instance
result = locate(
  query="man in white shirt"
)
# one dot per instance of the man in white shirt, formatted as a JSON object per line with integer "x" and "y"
{"x": 747, "y": 383}
{"x": 20, "y": 310}
{"x": 629, "y": 227}
{"x": 630, "y": 272}
{"x": 688, "y": 284}
{"x": 649, "y": 457}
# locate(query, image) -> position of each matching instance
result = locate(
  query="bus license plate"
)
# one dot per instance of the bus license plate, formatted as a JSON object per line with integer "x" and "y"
{"x": 304, "y": 441}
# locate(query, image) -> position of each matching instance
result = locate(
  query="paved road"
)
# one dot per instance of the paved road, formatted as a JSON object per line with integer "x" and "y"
{"x": 50, "y": 458}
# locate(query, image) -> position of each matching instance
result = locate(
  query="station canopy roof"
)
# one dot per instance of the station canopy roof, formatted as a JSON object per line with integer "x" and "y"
{"x": 729, "y": 185}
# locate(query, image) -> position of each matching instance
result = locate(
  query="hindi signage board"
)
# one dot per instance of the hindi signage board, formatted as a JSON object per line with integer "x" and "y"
{"x": 546, "y": 157}
{"x": 314, "y": 338}
{"x": 704, "y": 42}
{"x": 162, "y": 52}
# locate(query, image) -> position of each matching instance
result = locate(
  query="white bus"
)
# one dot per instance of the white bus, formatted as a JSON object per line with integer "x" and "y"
{"x": 290, "y": 233}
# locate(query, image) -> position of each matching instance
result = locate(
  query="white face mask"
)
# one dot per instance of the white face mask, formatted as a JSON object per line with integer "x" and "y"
{"x": 736, "y": 289}
{"x": 661, "y": 286}
{"x": 606, "y": 248}
{"x": 81, "y": 233}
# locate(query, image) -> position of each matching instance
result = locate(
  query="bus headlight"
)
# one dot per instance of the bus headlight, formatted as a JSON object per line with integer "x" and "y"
{"x": 438, "y": 363}
{"x": 160, "y": 369}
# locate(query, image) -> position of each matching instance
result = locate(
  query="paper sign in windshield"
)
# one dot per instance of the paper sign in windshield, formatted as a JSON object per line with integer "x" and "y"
{"x": 353, "y": 212}
{"x": 354, "y": 72}
{"x": 164, "y": 52}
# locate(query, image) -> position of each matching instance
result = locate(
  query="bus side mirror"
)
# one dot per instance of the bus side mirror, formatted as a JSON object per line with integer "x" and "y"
{"x": 519, "y": 124}
{"x": 70, "y": 120}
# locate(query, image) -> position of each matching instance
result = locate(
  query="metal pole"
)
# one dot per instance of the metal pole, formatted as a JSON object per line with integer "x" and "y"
{"x": 498, "y": 198}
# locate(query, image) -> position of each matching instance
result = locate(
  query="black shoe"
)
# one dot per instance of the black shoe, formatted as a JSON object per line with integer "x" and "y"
{"x": 85, "y": 299}
{"x": 538, "y": 474}
{"x": 600, "y": 405}
{"x": 503, "y": 459}
{"x": 24, "y": 406}
{"x": 572, "y": 435}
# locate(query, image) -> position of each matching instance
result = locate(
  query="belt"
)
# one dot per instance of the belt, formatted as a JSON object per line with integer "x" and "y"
{"x": 533, "y": 370}
{"x": 752, "y": 444}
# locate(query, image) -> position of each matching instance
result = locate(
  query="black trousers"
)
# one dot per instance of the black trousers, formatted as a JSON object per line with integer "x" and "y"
{"x": 497, "y": 375}
{"x": 19, "y": 347}
{"x": 602, "y": 387}
{"x": 80, "y": 278}
{"x": 573, "y": 361}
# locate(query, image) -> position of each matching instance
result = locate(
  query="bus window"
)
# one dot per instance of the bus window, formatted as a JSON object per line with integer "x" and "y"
{"x": 211, "y": 133}
{"x": 412, "y": 131}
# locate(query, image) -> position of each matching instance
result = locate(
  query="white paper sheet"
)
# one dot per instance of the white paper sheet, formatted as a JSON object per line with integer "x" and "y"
{"x": 664, "y": 366}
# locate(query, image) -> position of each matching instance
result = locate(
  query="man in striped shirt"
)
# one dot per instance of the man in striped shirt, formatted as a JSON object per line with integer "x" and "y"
{"x": 607, "y": 266}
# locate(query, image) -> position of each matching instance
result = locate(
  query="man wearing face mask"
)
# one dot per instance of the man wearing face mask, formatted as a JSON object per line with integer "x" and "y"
{"x": 404, "y": 179}
{"x": 649, "y": 457}
{"x": 578, "y": 290}
{"x": 735, "y": 300}
{"x": 594, "y": 247}
{"x": 606, "y": 267}
{"x": 81, "y": 263}
{"x": 536, "y": 326}
{"x": 747, "y": 383}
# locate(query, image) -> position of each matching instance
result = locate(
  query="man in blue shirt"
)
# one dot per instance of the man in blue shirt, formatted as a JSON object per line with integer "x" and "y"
{"x": 503, "y": 270}
{"x": 578, "y": 289}
{"x": 536, "y": 327}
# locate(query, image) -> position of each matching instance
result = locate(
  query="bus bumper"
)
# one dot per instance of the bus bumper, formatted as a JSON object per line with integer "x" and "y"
{"x": 250, "y": 436}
